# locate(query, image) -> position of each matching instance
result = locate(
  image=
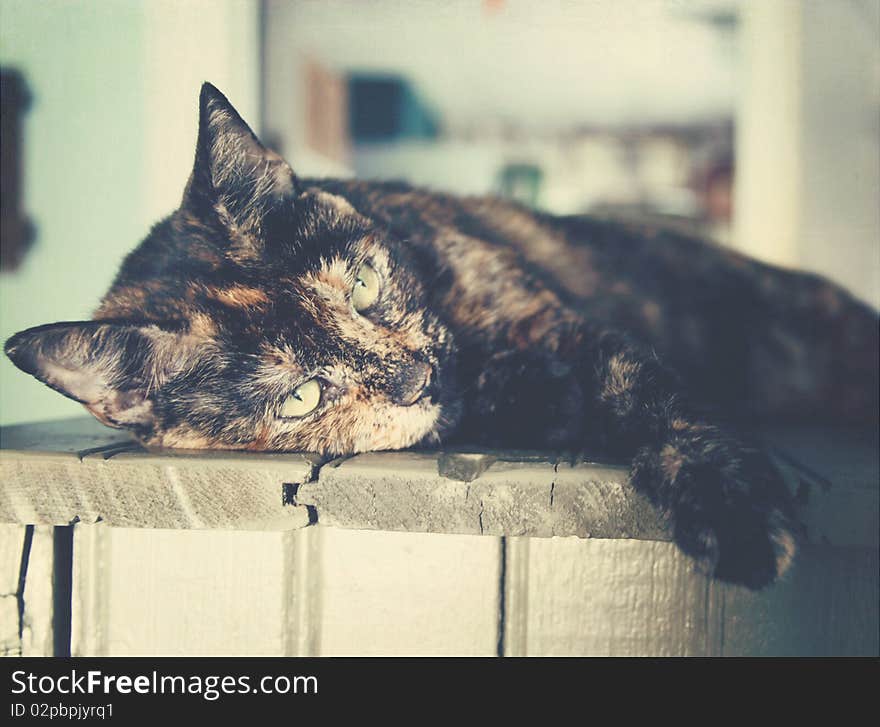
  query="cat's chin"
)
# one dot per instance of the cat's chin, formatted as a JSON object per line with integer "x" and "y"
{"x": 449, "y": 413}
{"x": 426, "y": 423}
{"x": 400, "y": 427}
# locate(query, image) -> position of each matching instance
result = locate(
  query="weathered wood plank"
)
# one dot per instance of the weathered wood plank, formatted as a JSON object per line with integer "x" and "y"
{"x": 301, "y": 598}
{"x": 55, "y": 478}
{"x": 576, "y": 597}
{"x": 316, "y": 591}
{"x": 167, "y": 592}
{"x": 25, "y": 591}
{"x": 37, "y": 636}
{"x": 140, "y": 489}
{"x": 617, "y": 597}
{"x": 618, "y": 588}
{"x": 11, "y": 542}
{"x": 64, "y": 436}
{"x": 408, "y": 593}
{"x": 414, "y": 492}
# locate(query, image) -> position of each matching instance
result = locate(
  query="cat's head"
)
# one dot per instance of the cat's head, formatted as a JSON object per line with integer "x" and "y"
{"x": 263, "y": 314}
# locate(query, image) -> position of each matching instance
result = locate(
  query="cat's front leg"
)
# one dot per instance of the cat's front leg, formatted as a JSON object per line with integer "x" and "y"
{"x": 728, "y": 505}
{"x": 726, "y": 502}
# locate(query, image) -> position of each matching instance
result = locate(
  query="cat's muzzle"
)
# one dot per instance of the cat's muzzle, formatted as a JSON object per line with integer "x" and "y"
{"x": 410, "y": 382}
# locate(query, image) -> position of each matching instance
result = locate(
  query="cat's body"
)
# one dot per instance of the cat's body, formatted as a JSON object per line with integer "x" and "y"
{"x": 751, "y": 340}
{"x": 271, "y": 312}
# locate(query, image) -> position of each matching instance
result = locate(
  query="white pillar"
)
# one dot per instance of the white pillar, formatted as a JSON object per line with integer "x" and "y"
{"x": 768, "y": 128}
{"x": 808, "y": 139}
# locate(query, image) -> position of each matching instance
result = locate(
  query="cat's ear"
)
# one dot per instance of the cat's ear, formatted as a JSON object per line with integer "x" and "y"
{"x": 111, "y": 368}
{"x": 234, "y": 174}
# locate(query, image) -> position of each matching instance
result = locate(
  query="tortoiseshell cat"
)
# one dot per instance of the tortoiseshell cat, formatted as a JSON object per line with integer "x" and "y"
{"x": 276, "y": 313}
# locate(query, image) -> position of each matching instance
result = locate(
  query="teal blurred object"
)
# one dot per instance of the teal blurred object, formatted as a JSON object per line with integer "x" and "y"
{"x": 522, "y": 183}
{"x": 386, "y": 108}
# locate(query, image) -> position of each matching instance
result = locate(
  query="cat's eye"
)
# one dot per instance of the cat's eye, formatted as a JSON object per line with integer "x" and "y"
{"x": 302, "y": 401}
{"x": 366, "y": 288}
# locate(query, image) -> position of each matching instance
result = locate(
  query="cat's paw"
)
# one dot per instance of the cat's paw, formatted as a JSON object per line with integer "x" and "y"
{"x": 729, "y": 507}
{"x": 739, "y": 544}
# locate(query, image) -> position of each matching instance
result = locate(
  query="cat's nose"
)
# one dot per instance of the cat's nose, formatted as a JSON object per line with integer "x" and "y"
{"x": 409, "y": 382}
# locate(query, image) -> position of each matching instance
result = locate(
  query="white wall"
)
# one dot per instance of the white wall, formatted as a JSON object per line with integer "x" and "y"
{"x": 840, "y": 194}
{"x": 541, "y": 65}
{"x": 808, "y": 143}
{"x": 109, "y": 143}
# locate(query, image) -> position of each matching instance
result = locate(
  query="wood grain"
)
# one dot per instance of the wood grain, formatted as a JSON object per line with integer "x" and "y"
{"x": 79, "y": 471}
{"x": 26, "y": 605}
{"x": 91, "y": 478}
{"x": 458, "y": 552}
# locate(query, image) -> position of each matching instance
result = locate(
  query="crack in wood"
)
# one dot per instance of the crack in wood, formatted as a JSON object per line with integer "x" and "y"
{"x": 22, "y": 576}
{"x": 110, "y": 450}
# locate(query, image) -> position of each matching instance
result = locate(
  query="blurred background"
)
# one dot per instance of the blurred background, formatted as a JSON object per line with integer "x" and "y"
{"x": 753, "y": 122}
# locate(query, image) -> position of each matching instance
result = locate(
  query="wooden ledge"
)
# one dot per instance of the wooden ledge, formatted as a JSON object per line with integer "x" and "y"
{"x": 76, "y": 470}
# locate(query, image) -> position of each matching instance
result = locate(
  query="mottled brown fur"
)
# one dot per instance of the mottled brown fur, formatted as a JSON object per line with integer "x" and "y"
{"x": 492, "y": 323}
